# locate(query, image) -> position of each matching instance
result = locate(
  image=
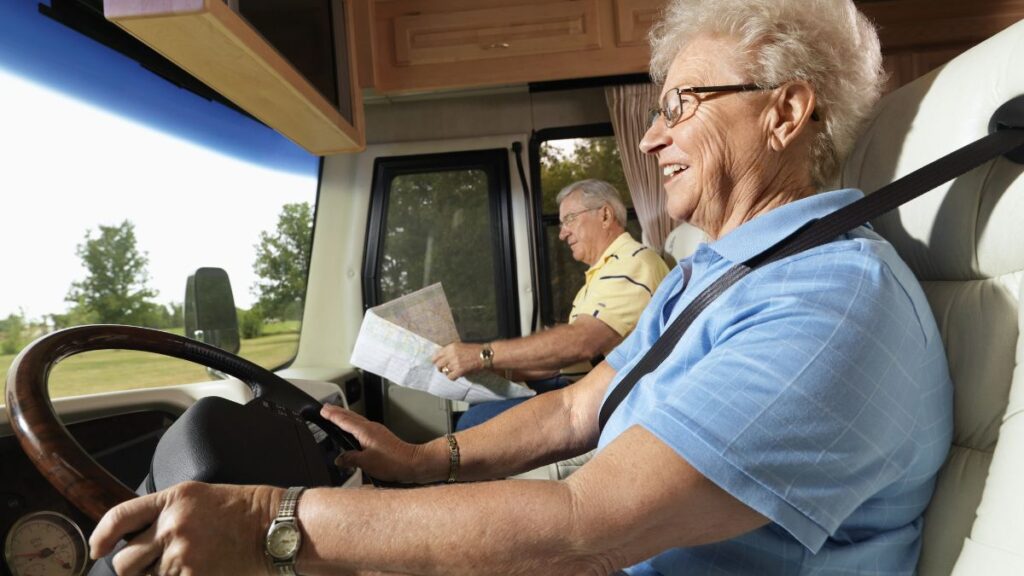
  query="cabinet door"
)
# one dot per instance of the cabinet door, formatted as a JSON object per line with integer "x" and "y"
{"x": 483, "y": 34}
{"x": 633, "y": 18}
{"x": 422, "y": 45}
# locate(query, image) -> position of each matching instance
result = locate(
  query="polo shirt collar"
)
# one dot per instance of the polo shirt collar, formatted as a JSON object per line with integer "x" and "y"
{"x": 753, "y": 237}
{"x": 609, "y": 252}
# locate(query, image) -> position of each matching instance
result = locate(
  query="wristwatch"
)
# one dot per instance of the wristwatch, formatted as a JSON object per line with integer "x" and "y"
{"x": 284, "y": 536}
{"x": 487, "y": 355}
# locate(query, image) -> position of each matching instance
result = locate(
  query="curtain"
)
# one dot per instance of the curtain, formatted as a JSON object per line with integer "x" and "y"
{"x": 628, "y": 106}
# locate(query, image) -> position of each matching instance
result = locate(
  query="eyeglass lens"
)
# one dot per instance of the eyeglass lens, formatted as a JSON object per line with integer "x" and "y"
{"x": 572, "y": 216}
{"x": 675, "y": 107}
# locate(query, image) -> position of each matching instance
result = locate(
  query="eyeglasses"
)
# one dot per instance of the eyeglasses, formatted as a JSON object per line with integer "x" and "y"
{"x": 679, "y": 104}
{"x": 572, "y": 216}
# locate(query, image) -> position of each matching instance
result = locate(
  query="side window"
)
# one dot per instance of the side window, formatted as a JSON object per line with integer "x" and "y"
{"x": 564, "y": 156}
{"x": 118, "y": 184}
{"x": 445, "y": 218}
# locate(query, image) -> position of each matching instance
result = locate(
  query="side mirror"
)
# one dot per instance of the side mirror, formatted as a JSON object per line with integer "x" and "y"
{"x": 210, "y": 314}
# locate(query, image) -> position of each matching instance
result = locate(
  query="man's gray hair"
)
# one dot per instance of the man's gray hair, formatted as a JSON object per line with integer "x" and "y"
{"x": 594, "y": 194}
{"x": 827, "y": 43}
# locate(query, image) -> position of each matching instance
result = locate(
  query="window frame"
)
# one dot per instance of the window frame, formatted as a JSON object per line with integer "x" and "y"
{"x": 494, "y": 163}
{"x": 539, "y": 137}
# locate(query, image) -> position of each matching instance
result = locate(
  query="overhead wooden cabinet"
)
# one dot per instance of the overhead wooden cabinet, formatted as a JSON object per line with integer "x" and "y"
{"x": 920, "y": 35}
{"x": 225, "y": 51}
{"x": 496, "y": 33}
{"x": 426, "y": 44}
{"x": 633, "y": 19}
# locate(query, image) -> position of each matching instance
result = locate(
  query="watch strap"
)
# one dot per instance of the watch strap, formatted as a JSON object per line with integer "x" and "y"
{"x": 289, "y": 502}
{"x": 286, "y": 514}
{"x": 285, "y": 569}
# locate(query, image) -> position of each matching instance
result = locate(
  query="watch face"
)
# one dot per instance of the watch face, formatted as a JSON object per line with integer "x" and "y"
{"x": 283, "y": 541}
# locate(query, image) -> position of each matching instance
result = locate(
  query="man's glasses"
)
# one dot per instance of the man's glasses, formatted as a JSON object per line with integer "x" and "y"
{"x": 571, "y": 217}
{"x": 679, "y": 104}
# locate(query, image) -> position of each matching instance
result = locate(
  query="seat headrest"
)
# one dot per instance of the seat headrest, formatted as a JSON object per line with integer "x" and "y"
{"x": 972, "y": 227}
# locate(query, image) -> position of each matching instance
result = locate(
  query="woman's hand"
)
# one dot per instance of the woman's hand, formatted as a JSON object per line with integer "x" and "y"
{"x": 458, "y": 359}
{"x": 384, "y": 456}
{"x": 170, "y": 530}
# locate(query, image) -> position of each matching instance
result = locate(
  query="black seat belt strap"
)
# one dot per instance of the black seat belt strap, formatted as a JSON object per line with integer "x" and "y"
{"x": 820, "y": 232}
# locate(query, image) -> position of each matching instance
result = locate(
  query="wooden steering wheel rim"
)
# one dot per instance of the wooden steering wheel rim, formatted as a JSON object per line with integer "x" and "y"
{"x": 45, "y": 439}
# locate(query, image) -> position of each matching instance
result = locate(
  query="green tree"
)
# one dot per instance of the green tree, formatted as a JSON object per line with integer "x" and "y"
{"x": 114, "y": 289}
{"x": 76, "y": 316}
{"x": 589, "y": 158}
{"x": 160, "y": 316}
{"x": 250, "y": 322}
{"x": 439, "y": 230}
{"x": 14, "y": 334}
{"x": 281, "y": 260}
{"x": 176, "y": 310}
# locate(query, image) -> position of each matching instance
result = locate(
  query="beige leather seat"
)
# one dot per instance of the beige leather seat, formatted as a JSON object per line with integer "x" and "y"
{"x": 965, "y": 242}
{"x": 683, "y": 240}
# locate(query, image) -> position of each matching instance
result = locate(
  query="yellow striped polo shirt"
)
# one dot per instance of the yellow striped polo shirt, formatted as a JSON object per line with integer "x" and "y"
{"x": 617, "y": 289}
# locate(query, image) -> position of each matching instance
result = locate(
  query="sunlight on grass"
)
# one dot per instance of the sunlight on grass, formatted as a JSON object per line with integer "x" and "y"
{"x": 110, "y": 370}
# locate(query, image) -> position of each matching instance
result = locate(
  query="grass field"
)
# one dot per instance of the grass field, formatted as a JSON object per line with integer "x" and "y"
{"x": 109, "y": 370}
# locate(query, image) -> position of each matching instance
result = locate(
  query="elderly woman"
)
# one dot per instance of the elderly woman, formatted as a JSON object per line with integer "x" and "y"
{"x": 797, "y": 426}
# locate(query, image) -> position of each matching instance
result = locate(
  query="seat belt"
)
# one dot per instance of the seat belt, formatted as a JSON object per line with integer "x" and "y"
{"x": 1006, "y": 136}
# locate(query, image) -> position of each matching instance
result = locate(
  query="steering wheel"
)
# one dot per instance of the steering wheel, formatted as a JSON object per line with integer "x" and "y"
{"x": 64, "y": 463}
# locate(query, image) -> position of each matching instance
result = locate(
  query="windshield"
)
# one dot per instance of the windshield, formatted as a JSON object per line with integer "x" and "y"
{"x": 117, "y": 184}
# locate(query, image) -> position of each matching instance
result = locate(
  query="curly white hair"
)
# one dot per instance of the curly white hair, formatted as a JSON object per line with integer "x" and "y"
{"x": 827, "y": 43}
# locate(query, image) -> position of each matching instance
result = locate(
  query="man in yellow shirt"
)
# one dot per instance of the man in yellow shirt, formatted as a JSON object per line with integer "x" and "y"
{"x": 622, "y": 278}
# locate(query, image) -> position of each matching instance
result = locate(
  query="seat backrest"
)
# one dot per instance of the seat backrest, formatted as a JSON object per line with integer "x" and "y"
{"x": 682, "y": 241}
{"x": 965, "y": 243}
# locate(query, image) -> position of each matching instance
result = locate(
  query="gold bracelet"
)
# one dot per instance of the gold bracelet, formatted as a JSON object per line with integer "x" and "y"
{"x": 487, "y": 355}
{"x": 453, "y": 458}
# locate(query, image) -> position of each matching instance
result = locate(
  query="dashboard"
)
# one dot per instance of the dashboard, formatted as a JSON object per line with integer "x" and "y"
{"x": 122, "y": 443}
{"x": 120, "y": 431}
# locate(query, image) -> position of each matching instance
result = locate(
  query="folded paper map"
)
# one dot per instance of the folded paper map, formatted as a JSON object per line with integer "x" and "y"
{"x": 398, "y": 339}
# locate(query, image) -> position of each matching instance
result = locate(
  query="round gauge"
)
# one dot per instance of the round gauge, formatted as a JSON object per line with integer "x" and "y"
{"x": 45, "y": 544}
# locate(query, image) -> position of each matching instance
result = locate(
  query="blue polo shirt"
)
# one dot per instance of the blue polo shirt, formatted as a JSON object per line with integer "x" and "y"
{"x": 815, "y": 391}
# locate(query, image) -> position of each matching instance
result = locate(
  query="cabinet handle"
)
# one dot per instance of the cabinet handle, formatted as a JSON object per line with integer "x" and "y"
{"x": 497, "y": 45}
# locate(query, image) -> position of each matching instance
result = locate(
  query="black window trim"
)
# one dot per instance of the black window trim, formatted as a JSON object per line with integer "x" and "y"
{"x": 495, "y": 163}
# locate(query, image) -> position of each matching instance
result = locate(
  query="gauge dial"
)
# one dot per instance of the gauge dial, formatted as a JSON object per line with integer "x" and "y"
{"x": 45, "y": 544}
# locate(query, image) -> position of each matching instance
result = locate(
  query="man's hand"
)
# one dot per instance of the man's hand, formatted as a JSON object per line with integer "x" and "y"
{"x": 177, "y": 534}
{"x": 459, "y": 359}
{"x": 384, "y": 455}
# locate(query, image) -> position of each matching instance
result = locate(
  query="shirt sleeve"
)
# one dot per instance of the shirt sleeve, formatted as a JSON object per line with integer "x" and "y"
{"x": 634, "y": 343}
{"x": 621, "y": 290}
{"x": 807, "y": 402}
{"x": 624, "y": 352}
